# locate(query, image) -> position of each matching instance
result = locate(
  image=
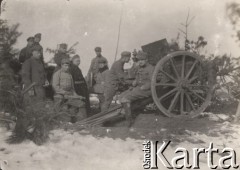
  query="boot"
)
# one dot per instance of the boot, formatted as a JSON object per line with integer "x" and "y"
{"x": 128, "y": 114}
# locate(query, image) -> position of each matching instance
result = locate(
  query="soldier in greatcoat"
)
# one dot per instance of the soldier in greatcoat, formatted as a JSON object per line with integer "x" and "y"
{"x": 37, "y": 45}
{"x": 33, "y": 72}
{"x": 80, "y": 84}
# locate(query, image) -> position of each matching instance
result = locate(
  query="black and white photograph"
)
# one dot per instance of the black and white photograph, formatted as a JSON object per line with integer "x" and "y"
{"x": 119, "y": 84}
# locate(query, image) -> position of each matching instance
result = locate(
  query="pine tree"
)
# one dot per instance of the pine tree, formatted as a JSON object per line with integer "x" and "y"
{"x": 26, "y": 116}
{"x": 8, "y": 66}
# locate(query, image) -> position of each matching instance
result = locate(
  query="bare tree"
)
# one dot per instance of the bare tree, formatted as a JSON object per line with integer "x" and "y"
{"x": 185, "y": 27}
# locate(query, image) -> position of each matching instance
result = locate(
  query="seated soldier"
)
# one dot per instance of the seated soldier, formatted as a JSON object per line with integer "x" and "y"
{"x": 80, "y": 84}
{"x": 65, "y": 94}
{"x": 98, "y": 88}
{"x": 141, "y": 86}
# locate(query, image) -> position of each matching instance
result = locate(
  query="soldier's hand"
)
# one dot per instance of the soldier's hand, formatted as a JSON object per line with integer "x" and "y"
{"x": 82, "y": 98}
{"x": 75, "y": 95}
{"x": 143, "y": 88}
{"x": 67, "y": 93}
{"x": 46, "y": 83}
{"x": 134, "y": 83}
{"x": 134, "y": 53}
{"x": 31, "y": 92}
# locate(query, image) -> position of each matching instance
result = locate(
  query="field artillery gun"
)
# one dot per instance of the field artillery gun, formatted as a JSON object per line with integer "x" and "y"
{"x": 182, "y": 84}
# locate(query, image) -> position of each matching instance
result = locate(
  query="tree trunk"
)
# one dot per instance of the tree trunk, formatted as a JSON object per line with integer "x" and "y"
{"x": 237, "y": 113}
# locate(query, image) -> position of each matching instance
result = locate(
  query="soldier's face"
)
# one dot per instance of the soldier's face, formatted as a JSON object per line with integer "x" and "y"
{"x": 64, "y": 50}
{"x": 37, "y": 39}
{"x": 127, "y": 59}
{"x": 76, "y": 61}
{"x": 65, "y": 67}
{"x": 30, "y": 43}
{"x": 135, "y": 60}
{"x": 142, "y": 63}
{"x": 98, "y": 53}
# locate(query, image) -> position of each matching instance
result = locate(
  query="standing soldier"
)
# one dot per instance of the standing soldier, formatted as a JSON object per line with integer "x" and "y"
{"x": 61, "y": 54}
{"x": 37, "y": 45}
{"x": 93, "y": 70}
{"x": 33, "y": 72}
{"x": 133, "y": 70}
{"x": 100, "y": 81}
{"x": 141, "y": 86}
{"x": 115, "y": 78}
{"x": 26, "y": 52}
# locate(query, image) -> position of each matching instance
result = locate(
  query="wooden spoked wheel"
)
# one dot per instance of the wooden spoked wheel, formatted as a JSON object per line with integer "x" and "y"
{"x": 181, "y": 85}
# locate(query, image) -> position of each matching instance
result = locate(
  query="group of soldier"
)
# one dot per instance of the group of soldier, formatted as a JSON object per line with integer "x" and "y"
{"x": 71, "y": 88}
{"x": 108, "y": 82}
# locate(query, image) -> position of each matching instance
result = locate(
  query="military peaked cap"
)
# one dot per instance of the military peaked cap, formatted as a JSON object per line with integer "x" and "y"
{"x": 30, "y": 39}
{"x": 63, "y": 45}
{"x": 98, "y": 49}
{"x": 38, "y": 35}
{"x": 126, "y": 54}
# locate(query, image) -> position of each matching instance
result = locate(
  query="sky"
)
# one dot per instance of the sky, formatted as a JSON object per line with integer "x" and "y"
{"x": 95, "y": 23}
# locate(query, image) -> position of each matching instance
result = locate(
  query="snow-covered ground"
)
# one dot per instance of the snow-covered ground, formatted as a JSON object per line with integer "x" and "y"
{"x": 74, "y": 151}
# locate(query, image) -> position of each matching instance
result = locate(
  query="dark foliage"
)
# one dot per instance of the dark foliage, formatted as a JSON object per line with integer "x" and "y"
{"x": 10, "y": 35}
{"x": 233, "y": 13}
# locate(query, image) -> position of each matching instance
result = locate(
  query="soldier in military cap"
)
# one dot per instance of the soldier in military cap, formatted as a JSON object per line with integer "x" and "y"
{"x": 62, "y": 79}
{"x": 61, "y": 54}
{"x": 141, "y": 86}
{"x": 132, "y": 72}
{"x": 33, "y": 72}
{"x": 26, "y": 52}
{"x": 79, "y": 81}
{"x": 115, "y": 78}
{"x": 101, "y": 76}
{"x": 37, "y": 45}
{"x": 93, "y": 70}
{"x": 65, "y": 93}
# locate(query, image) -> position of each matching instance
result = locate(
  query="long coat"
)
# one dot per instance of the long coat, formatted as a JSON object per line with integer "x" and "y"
{"x": 80, "y": 84}
{"x": 33, "y": 71}
{"x": 100, "y": 81}
{"x": 25, "y": 54}
{"x": 38, "y": 46}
